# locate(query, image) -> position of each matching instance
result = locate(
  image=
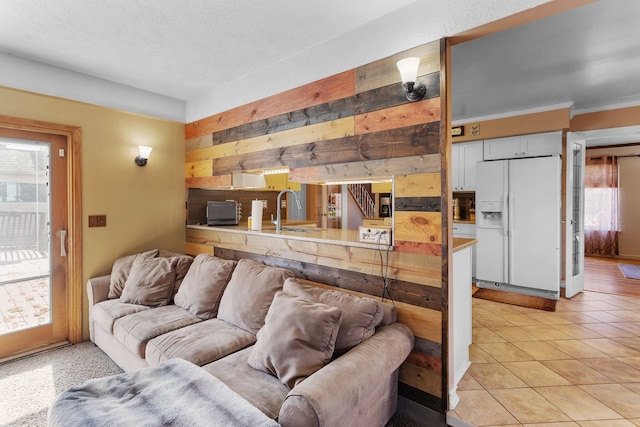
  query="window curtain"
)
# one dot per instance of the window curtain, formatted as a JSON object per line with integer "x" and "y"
{"x": 601, "y": 206}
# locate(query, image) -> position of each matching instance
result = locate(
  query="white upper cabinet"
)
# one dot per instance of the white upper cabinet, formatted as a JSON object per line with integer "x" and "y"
{"x": 539, "y": 144}
{"x": 464, "y": 159}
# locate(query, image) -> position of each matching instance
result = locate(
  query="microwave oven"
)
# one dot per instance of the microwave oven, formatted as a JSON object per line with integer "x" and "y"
{"x": 223, "y": 213}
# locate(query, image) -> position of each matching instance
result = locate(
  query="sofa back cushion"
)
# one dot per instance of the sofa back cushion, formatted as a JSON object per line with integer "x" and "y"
{"x": 248, "y": 295}
{"x": 297, "y": 339}
{"x": 182, "y": 266}
{"x": 360, "y": 316}
{"x": 202, "y": 287}
{"x": 150, "y": 282}
{"x": 120, "y": 271}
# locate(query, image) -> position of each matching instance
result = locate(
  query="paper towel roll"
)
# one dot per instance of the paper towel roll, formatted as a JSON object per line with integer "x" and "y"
{"x": 256, "y": 215}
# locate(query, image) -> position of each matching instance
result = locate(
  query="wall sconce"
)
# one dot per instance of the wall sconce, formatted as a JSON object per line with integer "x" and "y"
{"x": 145, "y": 151}
{"x": 408, "y": 68}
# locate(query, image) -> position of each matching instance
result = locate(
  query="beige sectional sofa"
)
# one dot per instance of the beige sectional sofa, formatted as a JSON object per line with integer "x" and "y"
{"x": 302, "y": 354}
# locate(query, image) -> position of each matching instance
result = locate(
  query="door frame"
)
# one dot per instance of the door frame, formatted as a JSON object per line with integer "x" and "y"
{"x": 73, "y": 135}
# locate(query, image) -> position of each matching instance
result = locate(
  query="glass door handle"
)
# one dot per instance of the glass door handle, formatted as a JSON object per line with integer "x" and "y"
{"x": 63, "y": 239}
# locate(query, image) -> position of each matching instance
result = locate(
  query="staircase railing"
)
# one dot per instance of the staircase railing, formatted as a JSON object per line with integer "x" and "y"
{"x": 363, "y": 198}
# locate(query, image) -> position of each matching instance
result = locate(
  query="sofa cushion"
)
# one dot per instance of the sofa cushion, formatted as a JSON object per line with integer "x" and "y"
{"x": 360, "y": 316}
{"x": 297, "y": 339}
{"x": 105, "y": 313}
{"x": 203, "y": 285}
{"x": 249, "y": 293}
{"x": 120, "y": 271}
{"x": 261, "y": 389}
{"x": 135, "y": 330}
{"x": 150, "y": 282}
{"x": 182, "y": 266}
{"x": 200, "y": 343}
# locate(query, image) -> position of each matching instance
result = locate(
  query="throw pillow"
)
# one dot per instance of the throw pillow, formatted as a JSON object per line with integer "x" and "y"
{"x": 360, "y": 316}
{"x": 203, "y": 285}
{"x": 249, "y": 293}
{"x": 120, "y": 271}
{"x": 150, "y": 282}
{"x": 297, "y": 339}
{"x": 182, "y": 267}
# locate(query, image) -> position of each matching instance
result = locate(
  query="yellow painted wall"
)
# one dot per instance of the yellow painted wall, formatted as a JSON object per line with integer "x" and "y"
{"x": 144, "y": 205}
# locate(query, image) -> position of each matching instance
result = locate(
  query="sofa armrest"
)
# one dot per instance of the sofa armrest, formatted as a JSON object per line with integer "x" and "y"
{"x": 98, "y": 289}
{"x": 357, "y": 389}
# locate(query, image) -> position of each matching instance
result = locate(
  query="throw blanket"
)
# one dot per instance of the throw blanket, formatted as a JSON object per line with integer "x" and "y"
{"x": 174, "y": 393}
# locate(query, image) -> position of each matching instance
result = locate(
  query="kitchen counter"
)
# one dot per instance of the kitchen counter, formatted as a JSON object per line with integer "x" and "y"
{"x": 460, "y": 243}
{"x": 307, "y": 232}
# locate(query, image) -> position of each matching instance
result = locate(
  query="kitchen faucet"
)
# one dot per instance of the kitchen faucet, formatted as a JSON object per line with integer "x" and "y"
{"x": 278, "y": 221}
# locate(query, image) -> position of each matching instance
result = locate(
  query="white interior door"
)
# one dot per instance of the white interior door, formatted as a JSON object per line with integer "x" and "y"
{"x": 574, "y": 216}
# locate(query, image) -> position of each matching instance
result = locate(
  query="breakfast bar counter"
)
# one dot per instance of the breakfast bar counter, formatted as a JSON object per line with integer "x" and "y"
{"x": 297, "y": 230}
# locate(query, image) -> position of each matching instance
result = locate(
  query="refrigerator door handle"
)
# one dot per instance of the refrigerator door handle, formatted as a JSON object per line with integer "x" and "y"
{"x": 505, "y": 230}
{"x": 512, "y": 203}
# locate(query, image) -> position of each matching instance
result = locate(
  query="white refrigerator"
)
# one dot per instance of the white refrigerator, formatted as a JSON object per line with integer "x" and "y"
{"x": 518, "y": 225}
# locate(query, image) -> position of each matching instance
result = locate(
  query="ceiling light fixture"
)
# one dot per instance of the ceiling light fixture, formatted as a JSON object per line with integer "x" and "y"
{"x": 145, "y": 152}
{"x": 408, "y": 68}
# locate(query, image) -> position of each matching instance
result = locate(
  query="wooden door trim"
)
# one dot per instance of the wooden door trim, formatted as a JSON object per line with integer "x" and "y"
{"x": 74, "y": 189}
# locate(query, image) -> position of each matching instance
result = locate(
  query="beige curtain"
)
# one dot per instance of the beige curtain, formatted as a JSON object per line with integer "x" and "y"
{"x": 601, "y": 206}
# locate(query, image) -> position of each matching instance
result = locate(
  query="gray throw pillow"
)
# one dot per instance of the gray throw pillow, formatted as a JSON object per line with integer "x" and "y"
{"x": 360, "y": 316}
{"x": 202, "y": 287}
{"x": 248, "y": 295}
{"x": 120, "y": 271}
{"x": 297, "y": 339}
{"x": 150, "y": 282}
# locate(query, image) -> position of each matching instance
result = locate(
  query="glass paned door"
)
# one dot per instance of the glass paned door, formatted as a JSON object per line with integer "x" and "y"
{"x": 574, "y": 221}
{"x": 33, "y": 218}
{"x": 25, "y": 264}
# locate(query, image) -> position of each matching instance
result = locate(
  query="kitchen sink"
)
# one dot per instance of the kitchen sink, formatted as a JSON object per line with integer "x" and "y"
{"x": 302, "y": 229}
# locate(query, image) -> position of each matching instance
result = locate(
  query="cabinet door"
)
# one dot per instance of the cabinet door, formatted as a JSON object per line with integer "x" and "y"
{"x": 502, "y": 148}
{"x": 470, "y": 154}
{"x": 541, "y": 144}
{"x": 455, "y": 167}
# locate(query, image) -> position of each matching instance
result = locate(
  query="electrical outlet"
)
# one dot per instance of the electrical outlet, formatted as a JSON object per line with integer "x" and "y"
{"x": 380, "y": 235}
{"x": 264, "y": 204}
{"x": 97, "y": 220}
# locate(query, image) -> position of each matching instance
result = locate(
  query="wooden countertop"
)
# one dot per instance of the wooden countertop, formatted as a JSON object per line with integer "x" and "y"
{"x": 321, "y": 235}
{"x": 460, "y": 243}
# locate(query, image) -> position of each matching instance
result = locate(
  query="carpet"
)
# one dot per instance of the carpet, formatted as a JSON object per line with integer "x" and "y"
{"x": 515, "y": 299}
{"x": 29, "y": 385}
{"x": 630, "y": 271}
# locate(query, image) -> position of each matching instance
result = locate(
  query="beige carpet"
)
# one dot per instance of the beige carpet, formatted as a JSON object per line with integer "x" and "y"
{"x": 29, "y": 385}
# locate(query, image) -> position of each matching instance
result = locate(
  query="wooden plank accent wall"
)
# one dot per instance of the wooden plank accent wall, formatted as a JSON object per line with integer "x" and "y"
{"x": 355, "y": 124}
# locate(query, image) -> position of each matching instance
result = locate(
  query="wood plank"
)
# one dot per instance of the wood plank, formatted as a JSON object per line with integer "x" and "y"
{"x": 385, "y": 71}
{"x": 383, "y": 168}
{"x": 432, "y": 249}
{"x": 194, "y": 249}
{"x": 403, "y": 142}
{"x": 201, "y": 141}
{"x": 414, "y": 113}
{"x": 373, "y": 100}
{"x": 407, "y": 267}
{"x": 418, "y": 185}
{"x": 418, "y": 204}
{"x": 198, "y": 169}
{"x": 421, "y": 378}
{"x": 208, "y": 181}
{"x": 319, "y": 92}
{"x": 308, "y": 134}
{"x": 430, "y": 363}
{"x": 421, "y": 227}
{"x": 365, "y": 284}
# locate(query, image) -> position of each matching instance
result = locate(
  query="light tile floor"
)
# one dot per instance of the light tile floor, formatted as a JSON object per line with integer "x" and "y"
{"x": 577, "y": 366}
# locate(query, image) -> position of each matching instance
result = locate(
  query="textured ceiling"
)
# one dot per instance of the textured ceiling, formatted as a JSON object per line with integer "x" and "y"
{"x": 199, "y": 57}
